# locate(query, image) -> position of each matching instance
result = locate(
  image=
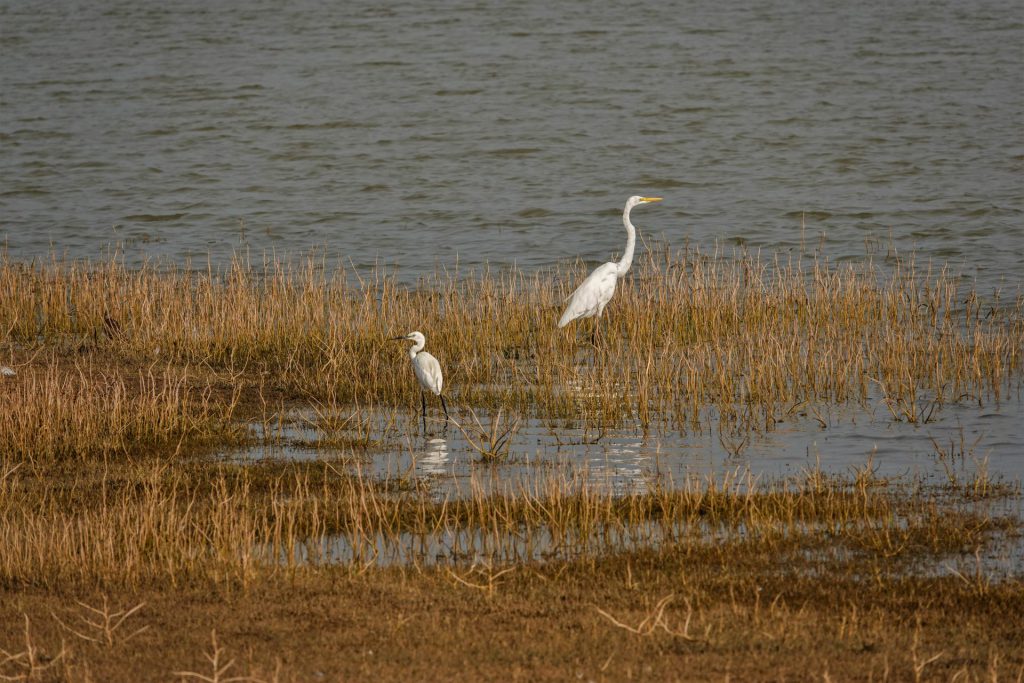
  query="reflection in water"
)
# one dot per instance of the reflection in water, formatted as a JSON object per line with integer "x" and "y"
{"x": 545, "y": 459}
{"x": 435, "y": 458}
{"x": 624, "y": 468}
{"x": 959, "y": 441}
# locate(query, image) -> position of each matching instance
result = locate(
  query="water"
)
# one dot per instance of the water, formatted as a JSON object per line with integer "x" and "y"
{"x": 429, "y": 136}
{"x": 945, "y": 456}
{"x": 959, "y": 443}
{"x": 484, "y": 549}
{"x": 623, "y": 461}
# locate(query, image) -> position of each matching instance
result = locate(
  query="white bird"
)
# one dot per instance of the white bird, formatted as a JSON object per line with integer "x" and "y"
{"x": 427, "y": 369}
{"x": 593, "y": 295}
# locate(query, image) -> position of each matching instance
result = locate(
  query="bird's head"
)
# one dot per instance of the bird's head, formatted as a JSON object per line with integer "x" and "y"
{"x": 637, "y": 199}
{"x": 412, "y": 336}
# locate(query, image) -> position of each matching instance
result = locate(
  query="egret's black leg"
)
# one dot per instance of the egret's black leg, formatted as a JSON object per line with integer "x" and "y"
{"x": 443, "y": 405}
{"x": 423, "y": 401}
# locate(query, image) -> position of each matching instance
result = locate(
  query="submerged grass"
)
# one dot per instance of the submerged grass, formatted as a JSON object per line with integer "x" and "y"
{"x": 150, "y": 521}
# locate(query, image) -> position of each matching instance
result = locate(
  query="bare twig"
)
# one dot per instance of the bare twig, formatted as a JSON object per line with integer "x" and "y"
{"x": 104, "y": 624}
{"x": 655, "y": 620}
{"x": 218, "y": 669}
{"x": 30, "y": 663}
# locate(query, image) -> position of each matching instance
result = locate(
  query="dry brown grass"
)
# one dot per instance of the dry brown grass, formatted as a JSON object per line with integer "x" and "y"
{"x": 686, "y": 331}
{"x": 58, "y": 411}
{"x": 755, "y": 619}
{"x": 148, "y": 521}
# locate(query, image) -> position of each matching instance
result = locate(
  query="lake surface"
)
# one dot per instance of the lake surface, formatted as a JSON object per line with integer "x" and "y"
{"x": 423, "y": 135}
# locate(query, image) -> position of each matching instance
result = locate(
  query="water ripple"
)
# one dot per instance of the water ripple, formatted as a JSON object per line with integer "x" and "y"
{"x": 190, "y": 116}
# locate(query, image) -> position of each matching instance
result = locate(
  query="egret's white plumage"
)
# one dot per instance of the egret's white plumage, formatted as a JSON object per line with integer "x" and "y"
{"x": 427, "y": 369}
{"x": 593, "y": 295}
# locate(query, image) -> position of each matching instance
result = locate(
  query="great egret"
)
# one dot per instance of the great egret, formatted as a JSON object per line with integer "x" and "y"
{"x": 427, "y": 369}
{"x": 593, "y": 295}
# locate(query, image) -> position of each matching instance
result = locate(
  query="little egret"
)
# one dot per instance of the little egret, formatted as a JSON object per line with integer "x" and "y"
{"x": 427, "y": 369}
{"x": 593, "y": 295}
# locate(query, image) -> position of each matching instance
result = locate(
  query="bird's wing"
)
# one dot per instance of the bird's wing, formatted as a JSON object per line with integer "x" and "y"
{"x": 591, "y": 296}
{"x": 428, "y": 372}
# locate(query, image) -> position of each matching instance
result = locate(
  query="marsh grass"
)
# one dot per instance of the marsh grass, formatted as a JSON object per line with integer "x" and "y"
{"x": 722, "y": 570}
{"x": 492, "y": 443}
{"x": 175, "y": 523}
{"x": 80, "y": 410}
{"x": 955, "y": 454}
{"x": 687, "y": 331}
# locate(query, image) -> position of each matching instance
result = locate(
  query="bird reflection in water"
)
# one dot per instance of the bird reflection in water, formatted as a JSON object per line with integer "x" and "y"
{"x": 435, "y": 457}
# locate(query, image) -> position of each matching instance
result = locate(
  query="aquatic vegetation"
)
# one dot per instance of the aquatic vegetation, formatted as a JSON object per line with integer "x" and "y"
{"x": 751, "y": 339}
{"x": 152, "y": 520}
{"x": 492, "y": 443}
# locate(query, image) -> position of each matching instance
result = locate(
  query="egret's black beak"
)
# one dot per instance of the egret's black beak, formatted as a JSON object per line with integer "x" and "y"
{"x": 397, "y": 338}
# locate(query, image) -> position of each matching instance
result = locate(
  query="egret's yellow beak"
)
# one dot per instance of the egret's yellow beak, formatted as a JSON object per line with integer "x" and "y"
{"x": 650, "y": 199}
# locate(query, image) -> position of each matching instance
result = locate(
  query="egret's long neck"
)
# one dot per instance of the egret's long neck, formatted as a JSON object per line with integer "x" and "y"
{"x": 416, "y": 348}
{"x": 627, "y": 256}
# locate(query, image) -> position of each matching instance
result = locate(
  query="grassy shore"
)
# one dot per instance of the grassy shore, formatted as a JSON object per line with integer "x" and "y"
{"x": 128, "y": 551}
{"x": 671, "y": 615}
{"x": 129, "y": 571}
